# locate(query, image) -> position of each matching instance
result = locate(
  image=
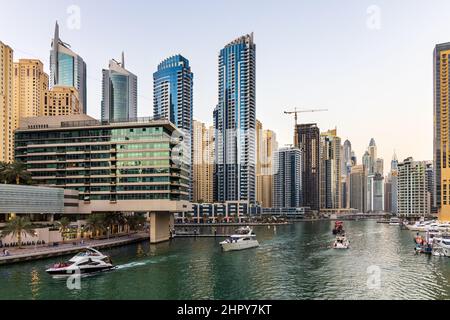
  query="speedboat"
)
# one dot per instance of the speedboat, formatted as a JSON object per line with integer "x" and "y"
{"x": 421, "y": 226}
{"x": 243, "y": 239}
{"x": 441, "y": 246}
{"x": 87, "y": 261}
{"x": 338, "y": 228}
{"x": 341, "y": 242}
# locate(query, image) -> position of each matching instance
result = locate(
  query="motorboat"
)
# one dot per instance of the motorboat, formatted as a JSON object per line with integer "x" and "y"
{"x": 421, "y": 226}
{"x": 88, "y": 261}
{"x": 341, "y": 242}
{"x": 338, "y": 228}
{"x": 395, "y": 221}
{"x": 243, "y": 239}
{"x": 441, "y": 246}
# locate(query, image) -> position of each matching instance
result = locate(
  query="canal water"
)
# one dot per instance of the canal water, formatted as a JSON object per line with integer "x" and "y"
{"x": 293, "y": 262}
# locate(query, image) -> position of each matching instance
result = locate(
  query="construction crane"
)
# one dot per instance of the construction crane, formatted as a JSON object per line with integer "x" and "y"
{"x": 296, "y": 113}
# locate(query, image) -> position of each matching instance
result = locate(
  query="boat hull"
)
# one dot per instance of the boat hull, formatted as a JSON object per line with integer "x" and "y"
{"x": 241, "y": 245}
{"x": 71, "y": 271}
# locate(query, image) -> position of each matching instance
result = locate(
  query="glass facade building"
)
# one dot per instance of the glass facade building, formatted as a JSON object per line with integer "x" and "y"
{"x": 173, "y": 97}
{"x": 119, "y": 93}
{"x": 235, "y": 123}
{"x": 287, "y": 178}
{"x": 67, "y": 68}
{"x": 105, "y": 161}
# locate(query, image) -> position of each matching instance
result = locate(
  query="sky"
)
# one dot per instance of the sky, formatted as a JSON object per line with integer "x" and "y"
{"x": 370, "y": 63}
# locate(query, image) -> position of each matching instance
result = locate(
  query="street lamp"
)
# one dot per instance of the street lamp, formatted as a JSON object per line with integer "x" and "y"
{"x": 108, "y": 232}
{"x": 35, "y": 243}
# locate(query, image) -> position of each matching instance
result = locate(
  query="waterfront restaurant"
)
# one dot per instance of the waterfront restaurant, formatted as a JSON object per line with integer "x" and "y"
{"x": 131, "y": 167}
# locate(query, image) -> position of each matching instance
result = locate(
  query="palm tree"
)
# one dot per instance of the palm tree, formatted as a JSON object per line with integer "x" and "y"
{"x": 220, "y": 218}
{"x": 16, "y": 172}
{"x": 18, "y": 227}
{"x": 96, "y": 224}
{"x": 115, "y": 219}
{"x": 63, "y": 224}
{"x": 136, "y": 222}
{"x": 3, "y": 166}
{"x": 190, "y": 217}
{"x": 205, "y": 218}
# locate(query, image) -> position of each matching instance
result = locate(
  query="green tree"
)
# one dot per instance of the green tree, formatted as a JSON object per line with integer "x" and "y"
{"x": 220, "y": 218}
{"x": 63, "y": 225}
{"x": 96, "y": 224}
{"x": 136, "y": 222}
{"x": 15, "y": 172}
{"x": 18, "y": 227}
{"x": 113, "y": 220}
{"x": 3, "y": 166}
{"x": 205, "y": 218}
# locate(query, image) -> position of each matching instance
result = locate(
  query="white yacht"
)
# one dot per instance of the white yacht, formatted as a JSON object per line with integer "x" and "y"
{"x": 422, "y": 226}
{"x": 441, "y": 246}
{"x": 87, "y": 261}
{"x": 341, "y": 242}
{"x": 243, "y": 239}
{"x": 394, "y": 221}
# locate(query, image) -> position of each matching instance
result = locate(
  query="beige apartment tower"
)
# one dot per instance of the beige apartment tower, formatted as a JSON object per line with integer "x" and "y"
{"x": 30, "y": 85}
{"x": 8, "y": 118}
{"x": 203, "y": 161}
{"x": 61, "y": 101}
{"x": 267, "y": 145}
{"x": 330, "y": 170}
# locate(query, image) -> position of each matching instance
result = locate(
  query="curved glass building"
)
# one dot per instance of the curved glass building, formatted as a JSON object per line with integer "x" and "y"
{"x": 119, "y": 94}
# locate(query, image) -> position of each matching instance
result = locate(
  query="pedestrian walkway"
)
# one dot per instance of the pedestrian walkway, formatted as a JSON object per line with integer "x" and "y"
{"x": 41, "y": 252}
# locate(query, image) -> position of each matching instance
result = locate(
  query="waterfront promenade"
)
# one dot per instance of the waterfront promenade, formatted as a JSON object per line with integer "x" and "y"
{"x": 30, "y": 253}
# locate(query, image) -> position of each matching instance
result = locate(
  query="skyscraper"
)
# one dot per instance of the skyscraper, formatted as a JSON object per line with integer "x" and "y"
{"x": 8, "y": 118}
{"x": 119, "y": 94}
{"x": 203, "y": 169}
{"x": 393, "y": 176}
{"x": 330, "y": 170}
{"x": 358, "y": 178}
{"x": 266, "y": 146}
{"x": 235, "y": 122}
{"x": 308, "y": 141}
{"x": 413, "y": 196}
{"x": 67, "y": 68}
{"x": 287, "y": 178}
{"x": 30, "y": 87}
{"x": 441, "y": 130}
{"x": 173, "y": 84}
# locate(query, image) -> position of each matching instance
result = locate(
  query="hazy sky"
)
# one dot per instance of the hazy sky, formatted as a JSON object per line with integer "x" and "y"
{"x": 368, "y": 62}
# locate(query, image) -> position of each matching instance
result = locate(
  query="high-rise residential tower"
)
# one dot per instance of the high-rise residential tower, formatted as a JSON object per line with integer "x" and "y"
{"x": 441, "y": 130}
{"x": 30, "y": 87}
{"x": 235, "y": 122}
{"x": 119, "y": 94}
{"x": 173, "y": 84}
{"x": 67, "y": 68}
{"x": 330, "y": 170}
{"x": 308, "y": 141}
{"x": 203, "y": 169}
{"x": 287, "y": 191}
{"x": 266, "y": 146}
{"x": 61, "y": 101}
{"x": 8, "y": 118}
{"x": 393, "y": 176}
{"x": 413, "y": 196}
{"x": 358, "y": 178}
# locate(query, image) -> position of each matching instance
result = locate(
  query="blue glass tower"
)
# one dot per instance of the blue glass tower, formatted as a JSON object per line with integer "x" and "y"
{"x": 119, "y": 94}
{"x": 173, "y": 98}
{"x": 67, "y": 68}
{"x": 235, "y": 123}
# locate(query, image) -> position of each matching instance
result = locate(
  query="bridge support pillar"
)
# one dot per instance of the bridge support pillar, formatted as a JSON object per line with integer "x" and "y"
{"x": 160, "y": 226}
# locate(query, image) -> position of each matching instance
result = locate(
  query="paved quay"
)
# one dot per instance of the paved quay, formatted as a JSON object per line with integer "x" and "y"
{"x": 31, "y": 253}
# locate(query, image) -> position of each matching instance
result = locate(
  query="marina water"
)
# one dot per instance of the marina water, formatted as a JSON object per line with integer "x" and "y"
{"x": 293, "y": 262}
